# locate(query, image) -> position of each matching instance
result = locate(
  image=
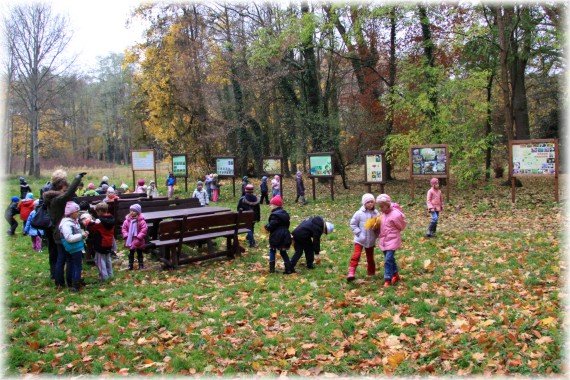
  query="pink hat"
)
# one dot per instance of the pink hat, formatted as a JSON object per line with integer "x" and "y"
{"x": 91, "y": 186}
{"x": 434, "y": 181}
{"x": 276, "y": 176}
{"x": 70, "y": 208}
{"x": 249, "y": 188}
{"x": 136, "y": 207}
{"x": 367, "y": 198}
{"x": 140, "y": 182}
{"x": 277, "y": 201}
{"x": 383, "y": 198}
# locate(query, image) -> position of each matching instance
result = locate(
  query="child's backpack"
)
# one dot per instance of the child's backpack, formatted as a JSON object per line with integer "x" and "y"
{"x": 41, "y": 219}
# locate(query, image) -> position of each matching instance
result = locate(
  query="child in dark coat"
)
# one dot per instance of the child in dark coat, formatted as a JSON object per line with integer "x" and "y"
{"x": 12, "y": 211}
{"x": 103, "y": 232}
{"x": 300, "y": 188}
{"x": 250, "y": 202}
{"x": 279, "y": 235}
{"x": 264, "y": 188}
{"x": 307, "y": 238}
{"x": 24, "y": 188}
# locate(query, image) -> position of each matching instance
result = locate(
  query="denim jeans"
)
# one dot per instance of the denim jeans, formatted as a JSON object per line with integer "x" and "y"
{"x": 390, "y": 266}
{"x": 434, "y": 216}
{"x": 63, "y": 261}
{"x": 76, "y": 266}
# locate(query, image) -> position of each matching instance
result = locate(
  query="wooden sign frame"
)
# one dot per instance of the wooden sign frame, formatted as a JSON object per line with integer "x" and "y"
{"x": 233, "y": 176}
{"x": 314, "y": 170}
{"x": 417, "y": 160}
{"x": 273, "y": 173}
{"x": 371, "y": 172}
{"x": 139, "y": 162}
{"x": 529, "y": 156}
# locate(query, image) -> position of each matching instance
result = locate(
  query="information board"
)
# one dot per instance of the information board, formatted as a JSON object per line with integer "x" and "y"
{"x": 374, "y": 168}
{"x": 429, "y": 161}
{"x": 321, "y": 165}
{"x": 179, "y": 165}
{"x": 142, "y": 159}
{"x": 534, "y": 158}
{"x": 272, "y": 165}
{"x": 225, "y": 166}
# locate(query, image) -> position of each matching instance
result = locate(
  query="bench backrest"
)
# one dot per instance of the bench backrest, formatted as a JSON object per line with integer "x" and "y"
{"x": 153, "y": 204}
{"x": 90, "y": 199}
{"x": 198, "y": 225}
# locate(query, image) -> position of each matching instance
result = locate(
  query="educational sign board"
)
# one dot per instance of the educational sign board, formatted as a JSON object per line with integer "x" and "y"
{"x": 429, "y": 161}
{"x": 321, "y": 165}
{"x": 534, "y": 158}
{"x": 179, "y": 165}
{"x": 225, "y": 166}
{"x": 374, "y": 167}
{"x": 272, "y": 165}
{"x": 142, "y": 159}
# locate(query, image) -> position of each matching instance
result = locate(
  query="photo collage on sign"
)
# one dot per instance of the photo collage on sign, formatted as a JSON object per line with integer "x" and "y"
{"x": 534, "y": 158}
{"x": 374, "y": 168}
{"x": 321, "y": 165}
{"x": 225, "y": 166}
{"x": 426, "y": 161}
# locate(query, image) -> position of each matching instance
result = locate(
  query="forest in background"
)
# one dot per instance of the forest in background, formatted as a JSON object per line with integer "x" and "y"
{"x": 268, "y": 79}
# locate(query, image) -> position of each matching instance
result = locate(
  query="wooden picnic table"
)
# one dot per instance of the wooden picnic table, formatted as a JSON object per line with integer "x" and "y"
{"x": 155, "y": 217}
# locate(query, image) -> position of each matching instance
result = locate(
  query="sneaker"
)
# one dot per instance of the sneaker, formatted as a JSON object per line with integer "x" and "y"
{"x": 387, "y": 283}
{"x": 349, "y": 279}
{"x": 395, "y": 278}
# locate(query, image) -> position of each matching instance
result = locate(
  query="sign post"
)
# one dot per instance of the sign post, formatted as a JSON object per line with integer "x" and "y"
{"x": 180, "y": 167}
{"x": 143, "y": 160}
{"x": 429, "y": 161}
{"x": 533, "y": 158}
{"x": 272, "y": 166}
{"x": 225, "y": 167}
{"x": 374, "y": 169}
{"x": 321, "y": 166}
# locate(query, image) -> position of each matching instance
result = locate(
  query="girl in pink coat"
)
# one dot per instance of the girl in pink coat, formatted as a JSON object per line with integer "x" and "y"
{"x": 390, "y": 237}
{"x": 434, "y": 205}
{"x": 134, "y": 232}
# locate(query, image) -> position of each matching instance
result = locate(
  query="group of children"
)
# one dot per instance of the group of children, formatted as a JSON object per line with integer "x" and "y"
{"x": 367, "y": 224}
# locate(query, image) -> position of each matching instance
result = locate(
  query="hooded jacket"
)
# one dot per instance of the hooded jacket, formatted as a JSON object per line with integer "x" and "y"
{"x": 26, "y": 207}
{"x": 250, "y": 202}
{"x": 71, "y": 235}
{"x": 278, "y": 227}
{"x": 362, "y": 236}
{"x": 103, "y": 233}
{"x": 309, "y": 231}
{"x": 55, "y": 202}
{"x": 434, "y": 199}
{"x": 393, "y": 223}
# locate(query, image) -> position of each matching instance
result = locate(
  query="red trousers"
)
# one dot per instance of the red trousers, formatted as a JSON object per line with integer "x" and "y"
{"x": 369, "y": 258}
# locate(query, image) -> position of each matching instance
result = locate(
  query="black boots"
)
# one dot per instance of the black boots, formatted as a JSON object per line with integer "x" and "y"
{"x": 272, "y": 267}
{"x": 289, "y": 268}
{"x": 75, "y": 286}
{"x": 431, "y": 230}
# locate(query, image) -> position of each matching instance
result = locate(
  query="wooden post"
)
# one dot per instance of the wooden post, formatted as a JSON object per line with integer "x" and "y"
{"x": 314, "y": 193}
{"x": 332, "y": 188}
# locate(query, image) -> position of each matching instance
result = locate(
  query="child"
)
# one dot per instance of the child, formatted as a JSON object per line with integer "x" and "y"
{"x": 250, "y": 202}
{"x": 279, "y": 236}
{"x": 26, "y": 206}
{"x": 208, "y": 184}
{"x": 170, "y": 182}
{"x": 151, "y": 190}
{"x": 364, "y": 238}
{"x": 300, "y": 188}
{"x": 140, "y": 188}
{"x": 72, "y": 240}
{"x": 201, "y": 194}
{"x": 103, "y": 233}
{"x": 307, "y": 238}
{"x": 134, "y": 231}
{"x": 80, "y": 190}
{"x": 391, "y": 226}
{"x": 102, "y": 190}
{"x": 12, "y": 211}
{"x": 244, "y": 183}
{"x": 90, "y": 191}
{"x": 104, "y": 181}
{"x": 24, "y": 188}
{"x": 276, "y": 185}
{"x": 264, "y": 190}
{"x": 35, "y": 234}
{"x": 111, "y": 196}
{"x": 434, "y": 205}
{"x": 215, "y": 188}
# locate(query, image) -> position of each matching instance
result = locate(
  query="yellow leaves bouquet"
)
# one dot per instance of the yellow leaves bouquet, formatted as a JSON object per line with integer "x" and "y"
{"x": 373, "y": 223}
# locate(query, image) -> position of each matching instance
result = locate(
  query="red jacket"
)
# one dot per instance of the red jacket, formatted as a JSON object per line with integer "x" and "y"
{"x": 103, "y": 233}
{"x": 26, "y": 207}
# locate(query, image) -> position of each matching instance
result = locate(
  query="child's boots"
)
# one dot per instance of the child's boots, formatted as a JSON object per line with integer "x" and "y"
{"x": 141, "y": 264}
{"x": 351, "y": 272}
{"x": 272, "y": 267}
{"x": 431, "y": 230}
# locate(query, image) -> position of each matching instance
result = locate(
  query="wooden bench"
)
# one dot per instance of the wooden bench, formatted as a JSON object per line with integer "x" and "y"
{"x": 90, "y": 199}
{"x": 173, "y": 234}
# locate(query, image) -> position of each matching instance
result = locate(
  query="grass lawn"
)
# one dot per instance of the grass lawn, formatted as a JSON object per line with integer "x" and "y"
{"x": 483, "y": 298}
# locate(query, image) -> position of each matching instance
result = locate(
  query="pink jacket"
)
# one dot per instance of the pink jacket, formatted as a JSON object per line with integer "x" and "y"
{"x": 142, "y": 229}
{"x": 434, "y": 199}
{"x": 393, "y": 223}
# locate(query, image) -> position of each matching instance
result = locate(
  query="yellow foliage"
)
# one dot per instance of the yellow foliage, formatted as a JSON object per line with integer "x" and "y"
{"x": 373, "y": 223}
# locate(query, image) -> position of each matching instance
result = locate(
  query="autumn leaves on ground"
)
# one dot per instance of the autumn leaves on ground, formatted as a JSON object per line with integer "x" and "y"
{"x": 482, "y": 298}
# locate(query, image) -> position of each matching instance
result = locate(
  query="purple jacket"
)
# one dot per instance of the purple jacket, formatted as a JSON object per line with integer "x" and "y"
{"x": 393, "y": 223}
{"x": 142, "y": 229}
